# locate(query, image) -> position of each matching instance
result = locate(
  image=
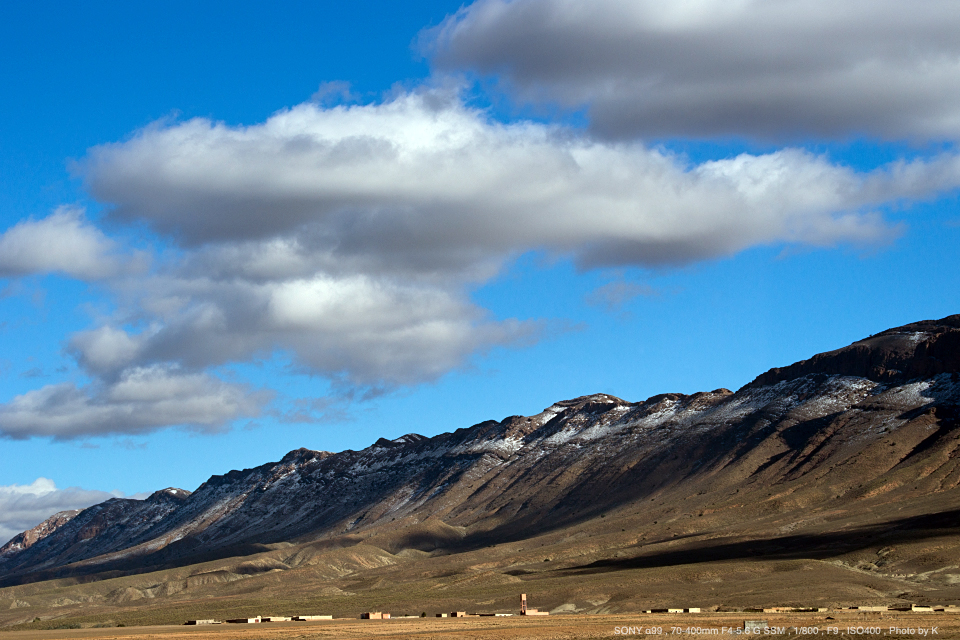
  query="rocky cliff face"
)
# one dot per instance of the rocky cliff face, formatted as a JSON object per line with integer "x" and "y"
{"x": 878, "y": 418}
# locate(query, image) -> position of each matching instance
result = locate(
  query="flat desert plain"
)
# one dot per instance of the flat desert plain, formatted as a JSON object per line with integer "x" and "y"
{"x": 842, "y": 624}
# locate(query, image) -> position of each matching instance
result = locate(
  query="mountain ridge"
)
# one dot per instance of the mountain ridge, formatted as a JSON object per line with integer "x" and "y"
{"x": 918, "y": 349}
{"x": 806, "y": 428}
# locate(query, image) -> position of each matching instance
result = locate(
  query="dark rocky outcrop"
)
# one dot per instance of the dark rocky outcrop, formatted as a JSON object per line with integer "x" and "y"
{"x": 919, "y": 350}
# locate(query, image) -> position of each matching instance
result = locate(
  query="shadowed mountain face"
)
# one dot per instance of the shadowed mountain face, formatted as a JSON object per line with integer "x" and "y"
{"x": 859, "y": 432}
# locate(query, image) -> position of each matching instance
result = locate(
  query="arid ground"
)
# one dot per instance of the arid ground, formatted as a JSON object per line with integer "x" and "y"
{"x": 597, "y": 568}
{"x": 717, "y": 625}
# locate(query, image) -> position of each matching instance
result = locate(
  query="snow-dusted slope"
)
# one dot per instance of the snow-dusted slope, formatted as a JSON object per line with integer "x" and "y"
{"x": 574, "y": 460}
{"x": 71, "y": 536}
{"x": 30, "y": 537}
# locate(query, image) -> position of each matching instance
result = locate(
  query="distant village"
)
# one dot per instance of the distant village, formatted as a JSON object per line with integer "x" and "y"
{"x": 527, "y": 611}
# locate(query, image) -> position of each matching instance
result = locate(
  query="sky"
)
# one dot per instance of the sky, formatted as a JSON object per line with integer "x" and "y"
{"x": 230, "y": 230}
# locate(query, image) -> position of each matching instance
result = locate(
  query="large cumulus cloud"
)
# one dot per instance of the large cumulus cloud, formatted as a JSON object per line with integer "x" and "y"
{"x": 425, "y": 188}
{"x": 773, "y": 69}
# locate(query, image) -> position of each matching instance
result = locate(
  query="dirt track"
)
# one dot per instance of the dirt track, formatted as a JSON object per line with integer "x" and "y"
{"x": 714, "y": 625}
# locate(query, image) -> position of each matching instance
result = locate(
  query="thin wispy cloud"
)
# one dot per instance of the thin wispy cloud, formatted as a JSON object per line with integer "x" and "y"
{"x": 613, "y": 296}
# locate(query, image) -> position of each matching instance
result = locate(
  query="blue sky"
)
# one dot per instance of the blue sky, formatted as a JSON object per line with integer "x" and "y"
{"x": 233, "y": 229}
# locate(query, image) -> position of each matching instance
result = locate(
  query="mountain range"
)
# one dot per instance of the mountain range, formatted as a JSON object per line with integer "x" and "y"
{"x": 854, "y": 449}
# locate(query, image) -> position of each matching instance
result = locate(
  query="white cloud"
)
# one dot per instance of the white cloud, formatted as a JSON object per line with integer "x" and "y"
{"x": 357, "y": 329}
{"x": 23, "y": 507}
{"x": 38, "y": 487}
{"x": 138, "y": 401}
{"x": 424, "y": 187}
{"x": 104, "y": 350}
{"x": 769, "y": 69}
{"x": 63, "y": 241}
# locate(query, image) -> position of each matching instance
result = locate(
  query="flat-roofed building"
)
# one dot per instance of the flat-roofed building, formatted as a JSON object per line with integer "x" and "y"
{"x": 526, "y": 611}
